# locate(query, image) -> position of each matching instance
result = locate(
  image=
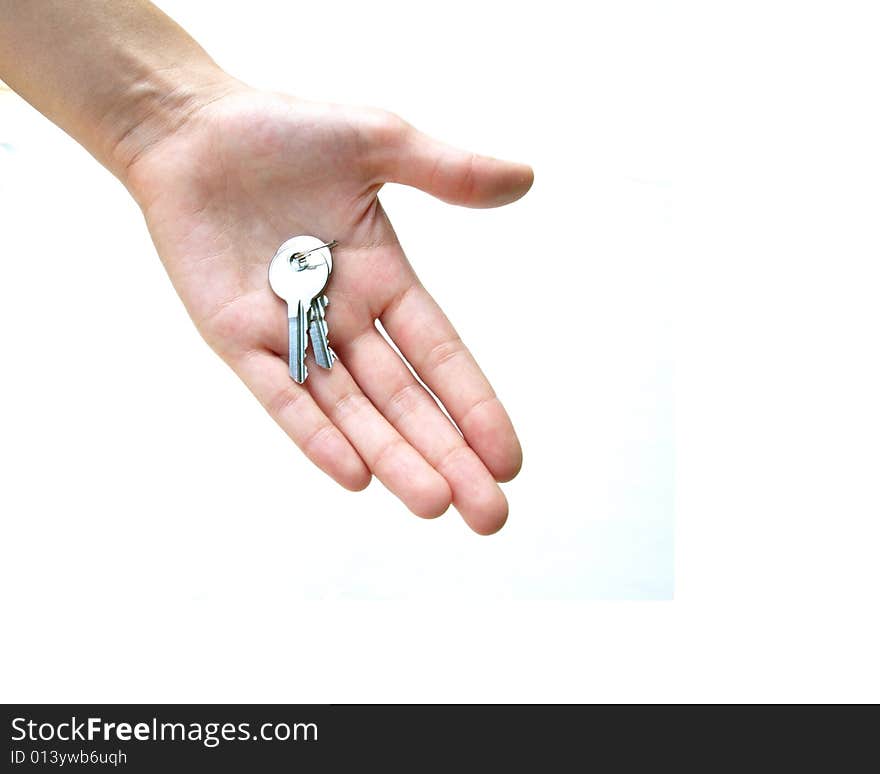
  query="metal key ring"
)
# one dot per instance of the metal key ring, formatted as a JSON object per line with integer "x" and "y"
{"x": 299, "y": 256}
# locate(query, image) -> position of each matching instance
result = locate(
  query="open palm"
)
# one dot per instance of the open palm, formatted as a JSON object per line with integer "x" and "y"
{"x": 252, "y": 169}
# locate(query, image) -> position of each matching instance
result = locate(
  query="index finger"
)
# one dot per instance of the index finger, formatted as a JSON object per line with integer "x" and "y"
{"x": 427, "y": 339}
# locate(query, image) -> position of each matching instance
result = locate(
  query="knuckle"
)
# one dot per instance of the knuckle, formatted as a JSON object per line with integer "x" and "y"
{"x": 350, "y": 402}
{"x": 387, "y": 451}
{"x": 404, "y": 400}
{"x": 384, "y": 127}
{"x": 448, "y": 458}
{"x": 468, "y": 181}
{"x": 315, "y": 437}
{"x": 444, "y": 352}
{"x": 486, "y": 400}
{"x": 284, "y": 401}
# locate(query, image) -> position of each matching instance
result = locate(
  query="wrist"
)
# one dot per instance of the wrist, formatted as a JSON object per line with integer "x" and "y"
{"x": 153, "y": 106}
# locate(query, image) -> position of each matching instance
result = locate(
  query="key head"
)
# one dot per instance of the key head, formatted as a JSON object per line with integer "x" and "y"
{"x": 299, "y": 279}
{"x": 302, "y": 244}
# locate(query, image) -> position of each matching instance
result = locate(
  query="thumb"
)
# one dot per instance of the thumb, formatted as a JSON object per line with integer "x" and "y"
{"x": 451, "y": 174}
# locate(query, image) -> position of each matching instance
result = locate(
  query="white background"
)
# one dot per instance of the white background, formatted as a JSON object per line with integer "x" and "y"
{"x": 160, "y": 535}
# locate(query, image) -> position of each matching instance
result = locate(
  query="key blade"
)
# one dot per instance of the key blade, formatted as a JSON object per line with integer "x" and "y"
{"x": 318, "y": 332}
{"x": 323, "y": 353}
{"x": 298, "y": 343}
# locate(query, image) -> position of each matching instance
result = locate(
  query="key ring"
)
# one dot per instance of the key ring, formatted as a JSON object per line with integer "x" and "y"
{"x": 300, "y": 256}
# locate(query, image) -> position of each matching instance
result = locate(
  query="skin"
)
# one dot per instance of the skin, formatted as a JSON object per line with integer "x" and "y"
{"x": 225, "y": 173}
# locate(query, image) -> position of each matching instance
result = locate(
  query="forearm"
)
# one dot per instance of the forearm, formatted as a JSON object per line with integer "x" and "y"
{"x": 117, "y": 75}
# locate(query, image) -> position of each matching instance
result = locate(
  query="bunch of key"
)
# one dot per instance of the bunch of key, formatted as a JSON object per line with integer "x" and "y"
{"x": 298, "y": 274}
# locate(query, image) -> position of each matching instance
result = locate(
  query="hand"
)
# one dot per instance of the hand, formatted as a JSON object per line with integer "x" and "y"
{"x": 248, "y": 170}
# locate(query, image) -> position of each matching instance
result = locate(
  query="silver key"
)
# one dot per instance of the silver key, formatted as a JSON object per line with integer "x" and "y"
{"x": 324, "y": 356}
{"x": 318, "y": 331}
{"x": 298, "y": 273}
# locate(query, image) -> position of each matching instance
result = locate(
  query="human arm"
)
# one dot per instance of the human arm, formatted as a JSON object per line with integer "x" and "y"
{"x": 224, "y": 173}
